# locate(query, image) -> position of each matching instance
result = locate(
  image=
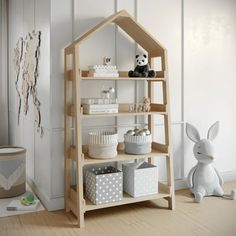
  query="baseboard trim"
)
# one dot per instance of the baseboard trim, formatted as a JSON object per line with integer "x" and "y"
{"x": 51, "y": 204}
{"x": 226, "y": 175}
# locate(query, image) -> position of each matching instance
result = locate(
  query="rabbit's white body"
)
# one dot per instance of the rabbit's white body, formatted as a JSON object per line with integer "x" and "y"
{"x": 205, "y": 181}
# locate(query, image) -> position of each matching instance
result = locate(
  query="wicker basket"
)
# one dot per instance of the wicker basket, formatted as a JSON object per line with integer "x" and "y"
{"x": 102, "y": 145}
{"x": 138, "y": 145}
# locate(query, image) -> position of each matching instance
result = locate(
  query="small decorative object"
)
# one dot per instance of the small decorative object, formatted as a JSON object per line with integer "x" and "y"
{"x": 136, "y": 130}
{"x": 140, "y": 108}
{"x": 104, "y": 185}
{"x": 142, "y": 67}
{"x": 204, "y": 179}
{"x": 146, "y": 104}
{"x": 140, "y": 179}
{"x": 28, "y": 199}
{"x": 12, "y": 171}
{"x": 130, "y": 132}
{"x": 105, "y": 70}
{"x": 147, "y": 131}
{"x": 107, "y": 93}
{"x": 131, "y": 108}
{"x": 103, "y": 145}
{"x": 138, "y": 141}
{"x": 106, "y": 61}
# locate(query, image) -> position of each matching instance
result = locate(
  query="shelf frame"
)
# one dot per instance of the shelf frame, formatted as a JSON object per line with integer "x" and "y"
{"x": 74, "y": 152}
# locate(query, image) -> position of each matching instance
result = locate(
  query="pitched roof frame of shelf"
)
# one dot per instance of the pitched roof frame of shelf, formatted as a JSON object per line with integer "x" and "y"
{"x": 124, "y": 20}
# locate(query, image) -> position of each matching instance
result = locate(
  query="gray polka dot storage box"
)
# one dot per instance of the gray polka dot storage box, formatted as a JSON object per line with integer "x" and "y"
{"x": 140, "y": 179}
{"x": 104, "y": 185}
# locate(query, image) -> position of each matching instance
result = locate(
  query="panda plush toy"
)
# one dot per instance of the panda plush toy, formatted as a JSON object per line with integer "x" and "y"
{"x": 142, "y": 67}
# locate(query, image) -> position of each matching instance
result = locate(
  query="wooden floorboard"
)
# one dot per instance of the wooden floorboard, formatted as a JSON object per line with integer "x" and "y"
{"x": 213, "y": 217}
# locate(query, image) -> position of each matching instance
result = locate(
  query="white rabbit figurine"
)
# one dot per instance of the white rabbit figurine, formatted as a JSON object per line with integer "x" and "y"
{"x": 204, "y": 179}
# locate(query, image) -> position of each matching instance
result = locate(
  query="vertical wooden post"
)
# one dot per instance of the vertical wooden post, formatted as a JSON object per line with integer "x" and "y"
{"x": 67, "y": 135}
{"x": 168, "y": 142}
{"x": 150, "y": 95}
{"x": 79, "y": 162}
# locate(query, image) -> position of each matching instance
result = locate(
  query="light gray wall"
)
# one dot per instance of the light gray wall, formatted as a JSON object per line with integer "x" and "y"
{"x": 201, "y": 71}
{"x": 3, "y": 74}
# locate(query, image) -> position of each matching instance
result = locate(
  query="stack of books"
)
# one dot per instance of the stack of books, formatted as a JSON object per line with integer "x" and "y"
{"x": 99, "y": 105}
{"x": 103, "y": 71}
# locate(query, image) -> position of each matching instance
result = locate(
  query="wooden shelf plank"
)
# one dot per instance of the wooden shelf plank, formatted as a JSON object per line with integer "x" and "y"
{"x": 125, "y": 114}
{"x": 127, "y": 199}
{"x": 122, "y": 156}
{"x": 123, "y": 78}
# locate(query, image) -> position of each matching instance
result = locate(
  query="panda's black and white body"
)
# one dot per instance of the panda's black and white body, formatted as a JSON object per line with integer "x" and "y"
{"x": 142, "y": 67}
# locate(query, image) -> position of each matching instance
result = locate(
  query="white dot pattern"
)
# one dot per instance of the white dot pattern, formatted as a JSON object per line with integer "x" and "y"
{"x": 142, "y": 181}
{"x": 104, "y": 185}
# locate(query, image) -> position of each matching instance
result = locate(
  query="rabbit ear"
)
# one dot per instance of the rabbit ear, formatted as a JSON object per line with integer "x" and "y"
{"x": 192, "y": 133}
{"x": 213, "y": 131}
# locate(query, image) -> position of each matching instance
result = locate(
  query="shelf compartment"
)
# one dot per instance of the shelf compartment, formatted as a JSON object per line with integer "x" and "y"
{"x": 157, "y": 150}
{"x": 156, "y": 109}
{"x": 123, "y": 75}
{"x": 127, "y": 199}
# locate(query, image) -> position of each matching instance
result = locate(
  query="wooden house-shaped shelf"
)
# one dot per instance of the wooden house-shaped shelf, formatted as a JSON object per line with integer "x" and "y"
{"x": 75, "y": 199}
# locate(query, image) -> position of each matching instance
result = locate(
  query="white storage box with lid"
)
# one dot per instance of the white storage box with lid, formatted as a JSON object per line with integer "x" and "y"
{"x": 102, "y": 145}
{"x": 138, "y": 145}
{"x": 140, "y": 179}
{"x": 104, "y": 185}
{"x": 12, "y": 171}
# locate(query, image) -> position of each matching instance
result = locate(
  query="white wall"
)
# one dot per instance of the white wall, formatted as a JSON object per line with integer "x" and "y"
{"x": 3, "y": 74}
{"x": 209, "y": 75}
{"x": 61, "y": 21}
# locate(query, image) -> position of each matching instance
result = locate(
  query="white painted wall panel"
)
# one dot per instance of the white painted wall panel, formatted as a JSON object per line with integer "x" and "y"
{"x": 29, "y": 144}
{"x": 43, "y": 162}
{"x": 210, "y": 69}
{"x": 163, "y": 20}
{"x": 42, "y": 23}
{"x": 61, "y": 33}
{"x": 57, "y": 163}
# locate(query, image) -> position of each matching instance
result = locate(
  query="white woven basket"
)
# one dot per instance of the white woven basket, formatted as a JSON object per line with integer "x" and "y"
{"x": 103, "y": 145}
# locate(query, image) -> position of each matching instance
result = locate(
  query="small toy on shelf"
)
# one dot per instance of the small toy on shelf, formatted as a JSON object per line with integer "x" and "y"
{"x": 142, "y": 67}
{"x": 106, "y": 61}
{"x": 146, "y": 104}
{"x": 107, "y": 93}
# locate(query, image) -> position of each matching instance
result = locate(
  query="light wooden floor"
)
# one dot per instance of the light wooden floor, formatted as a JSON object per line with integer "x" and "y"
{"x": 214, "y": 216}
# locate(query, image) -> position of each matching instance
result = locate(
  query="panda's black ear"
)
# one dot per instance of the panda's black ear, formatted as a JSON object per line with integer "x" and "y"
{"x": 137, "y": 56}
{"x": 145, "y": 56}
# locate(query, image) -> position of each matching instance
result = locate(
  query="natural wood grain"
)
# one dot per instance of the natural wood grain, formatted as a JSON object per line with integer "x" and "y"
{"x": 213, "y": 217}
{"x": 75, "y": 200}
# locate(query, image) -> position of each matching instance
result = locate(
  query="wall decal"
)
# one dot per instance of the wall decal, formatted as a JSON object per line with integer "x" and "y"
{"x": 26, "y": 59}
{"x": 18, "y": 53}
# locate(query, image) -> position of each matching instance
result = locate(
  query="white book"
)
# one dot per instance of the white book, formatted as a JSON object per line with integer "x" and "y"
{"x": 15, "y": 205}
{"x": 103, "y": 74}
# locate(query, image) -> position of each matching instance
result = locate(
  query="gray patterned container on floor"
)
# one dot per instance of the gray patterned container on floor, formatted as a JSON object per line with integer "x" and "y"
{"x": 140, "y": 179}
{"x": 104, "y": 185}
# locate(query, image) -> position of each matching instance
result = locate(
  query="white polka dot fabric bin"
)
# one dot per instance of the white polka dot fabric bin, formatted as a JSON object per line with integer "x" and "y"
{"x": 140, "y": 179}
{"x": 104, "y": 185}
